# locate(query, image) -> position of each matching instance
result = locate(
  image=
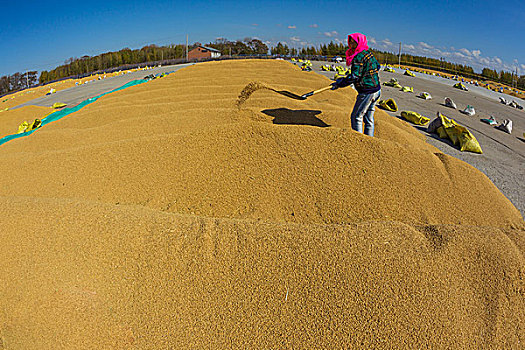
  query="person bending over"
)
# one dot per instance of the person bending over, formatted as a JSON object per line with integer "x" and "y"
{"x": 364, "y": 75}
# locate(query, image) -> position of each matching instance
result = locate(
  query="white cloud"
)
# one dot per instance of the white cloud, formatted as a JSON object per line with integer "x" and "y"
{"x": 331, "y": 34}
{"x": 313, "y": 25}
{"x": 465, "y": 51}
{"x": 255, "y": 24}
{"x": 303, "y": 43}
{"x": 386, "y": 42}
{"x": 468, "y": 57}
{"x": 291, "y": 27}
{"x": 295, "y": 38}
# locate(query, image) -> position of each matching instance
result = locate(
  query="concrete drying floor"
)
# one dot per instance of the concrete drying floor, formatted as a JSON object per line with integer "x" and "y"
{"x": 77, "y": 94}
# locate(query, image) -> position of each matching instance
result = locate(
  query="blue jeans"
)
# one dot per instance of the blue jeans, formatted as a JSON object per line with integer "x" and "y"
{"x": 364, "y": 109}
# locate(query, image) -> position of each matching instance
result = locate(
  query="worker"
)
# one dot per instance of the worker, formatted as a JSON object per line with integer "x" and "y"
{"x": 364, "y": 75}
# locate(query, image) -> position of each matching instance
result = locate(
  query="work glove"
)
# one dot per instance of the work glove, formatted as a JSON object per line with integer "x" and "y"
{"x": 337, "y": 84}
{"x": 341, "y": 83}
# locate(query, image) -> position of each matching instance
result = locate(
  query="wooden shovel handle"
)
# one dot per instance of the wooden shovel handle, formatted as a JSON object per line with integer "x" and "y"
{"x": 316, "y": 91}
{"x": 321, "y": 90}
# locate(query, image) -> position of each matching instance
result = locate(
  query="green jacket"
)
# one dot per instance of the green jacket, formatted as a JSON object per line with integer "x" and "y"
{"x": 364, "y": 73}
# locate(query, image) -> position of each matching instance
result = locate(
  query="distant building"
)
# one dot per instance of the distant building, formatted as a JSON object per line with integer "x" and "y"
{"x": 203, "y": 52}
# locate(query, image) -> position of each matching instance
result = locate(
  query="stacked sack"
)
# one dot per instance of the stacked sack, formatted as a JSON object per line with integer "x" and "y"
{"x": 459, "y": 135}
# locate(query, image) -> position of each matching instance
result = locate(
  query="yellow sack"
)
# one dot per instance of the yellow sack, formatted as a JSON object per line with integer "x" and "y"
{"x": 407, "y": 89}
{"x": 449, "y": 126}
{"x": 59, "y": 105}
{"x": 389, "y": 105}
{"x": 453, "y": 134}
{"x": 446, "y": 122}
{"x": 458, "y": 134}
{"x": 34, "y": 125}
{"x": 467, "y": 141}
{"x": 22, "y": 127}
{"x": 25, "y": 126}
{"x": 415, "y": 118}
{"x": 442, "y": 133}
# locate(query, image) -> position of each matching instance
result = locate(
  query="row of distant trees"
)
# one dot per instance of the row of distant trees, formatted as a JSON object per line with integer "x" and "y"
{"x": 246, "y": 47}
{"x": 17, "y": 81}
{"x": 504, "y": 77}
{"x": 108, "y": 60}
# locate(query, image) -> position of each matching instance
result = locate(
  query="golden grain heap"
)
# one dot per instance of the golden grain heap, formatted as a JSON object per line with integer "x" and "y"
{"x": 168, "y": 215}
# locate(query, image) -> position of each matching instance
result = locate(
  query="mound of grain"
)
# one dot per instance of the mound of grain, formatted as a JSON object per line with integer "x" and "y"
{"x": 177, "y": 145}
{"x": 166, "y": 216}
{"x": 87, "y": 275}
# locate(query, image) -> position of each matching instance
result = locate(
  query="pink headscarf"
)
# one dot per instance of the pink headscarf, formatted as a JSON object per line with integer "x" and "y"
{"x": 362, "y": 45}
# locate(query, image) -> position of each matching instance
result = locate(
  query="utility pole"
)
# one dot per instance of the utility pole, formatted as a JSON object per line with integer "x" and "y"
{"x": 516, "y": 75}
{"x": 186, "y": 47}
{"x": 399, "y": 56}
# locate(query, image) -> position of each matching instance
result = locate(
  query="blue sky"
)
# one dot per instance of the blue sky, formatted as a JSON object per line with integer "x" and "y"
{"x": 38, "y": 35}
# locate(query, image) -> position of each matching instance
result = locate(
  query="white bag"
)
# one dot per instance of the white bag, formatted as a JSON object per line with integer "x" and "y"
{"x": 469, "y": 110}
{"x": 506, "y": 126}
{"x": 450, "y": 103}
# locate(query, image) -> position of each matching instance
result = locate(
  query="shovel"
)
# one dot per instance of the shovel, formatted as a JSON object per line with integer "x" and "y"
{"x": 250, "y": 88}
{"x": 288, "y": 94}
{"x": 308, "y": 94}
{"x": 303, "y": 97}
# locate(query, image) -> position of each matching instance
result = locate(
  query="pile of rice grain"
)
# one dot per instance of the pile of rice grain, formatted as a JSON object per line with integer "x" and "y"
{"x": 163, "y": 216}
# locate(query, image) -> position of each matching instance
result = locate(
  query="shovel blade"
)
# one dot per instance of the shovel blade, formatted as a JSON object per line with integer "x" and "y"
{"x": 307, "y": 95}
